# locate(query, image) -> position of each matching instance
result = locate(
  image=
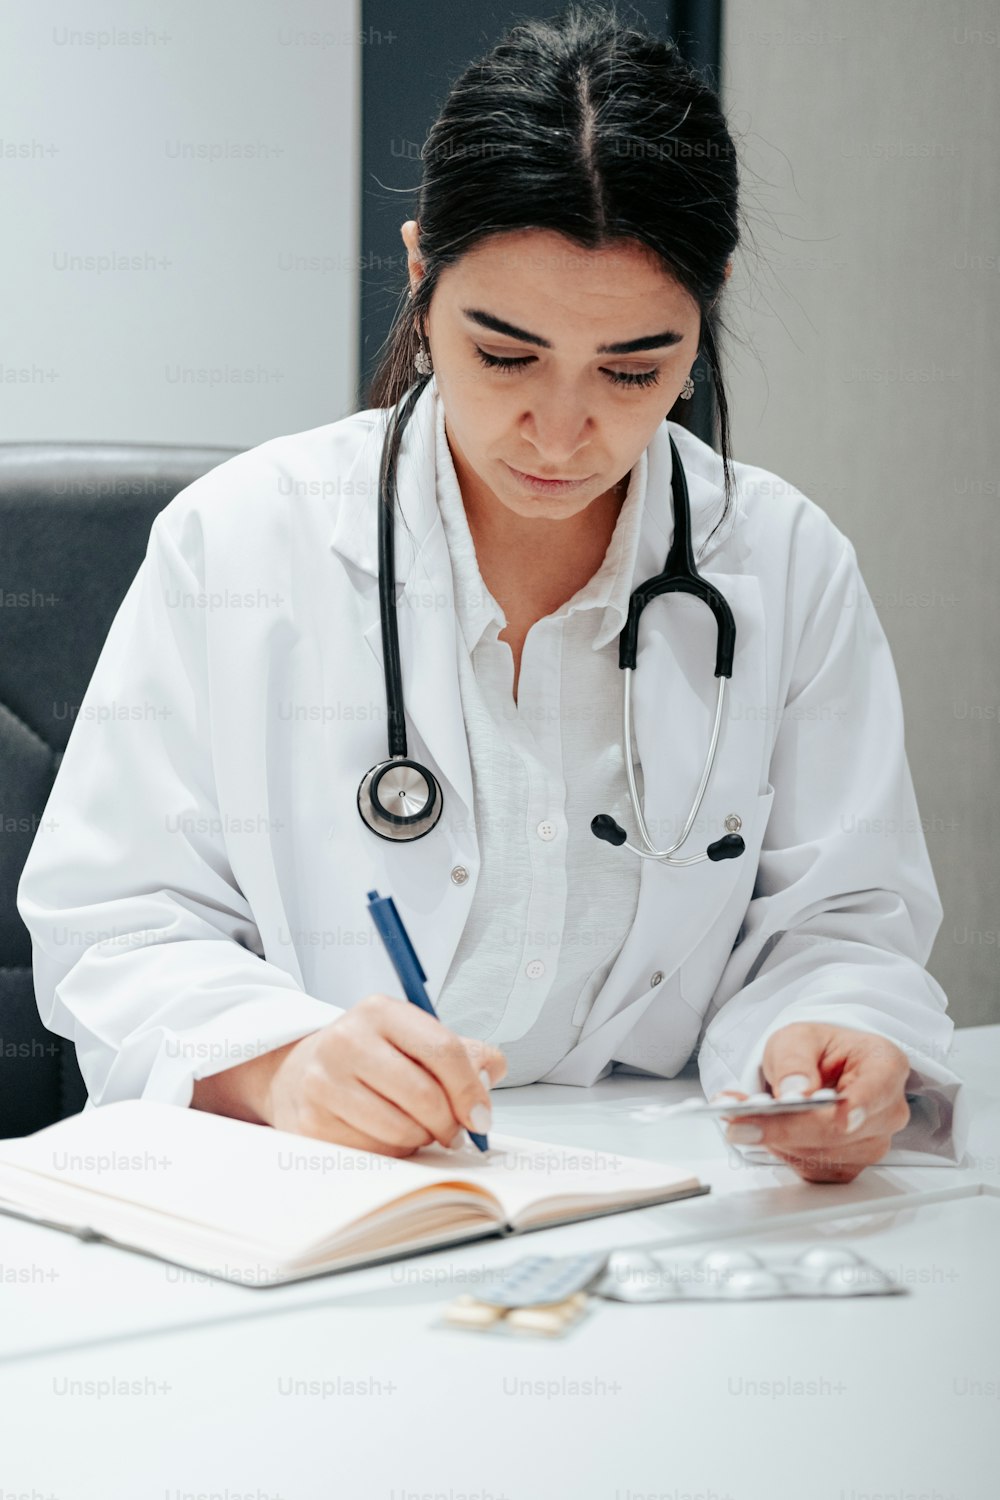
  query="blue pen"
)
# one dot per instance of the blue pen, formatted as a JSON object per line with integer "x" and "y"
{"x": 406, "y": 964}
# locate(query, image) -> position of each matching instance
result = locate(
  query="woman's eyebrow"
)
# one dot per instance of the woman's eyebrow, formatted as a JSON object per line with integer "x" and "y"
{"x": 629, "y": 346}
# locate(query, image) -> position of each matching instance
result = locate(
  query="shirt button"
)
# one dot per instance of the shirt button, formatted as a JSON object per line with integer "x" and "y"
{"x": 546, "y": 831}
{"x": 656, "y": 978}
{"x": 535, "y": 969}
{"x": 459, "y": 875}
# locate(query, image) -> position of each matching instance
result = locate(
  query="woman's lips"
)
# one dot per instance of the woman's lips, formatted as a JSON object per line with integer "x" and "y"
{"x": 547, "y": 486}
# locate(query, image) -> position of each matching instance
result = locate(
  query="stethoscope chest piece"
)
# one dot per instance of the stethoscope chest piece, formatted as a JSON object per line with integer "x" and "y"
{"x": 400, "y": 799}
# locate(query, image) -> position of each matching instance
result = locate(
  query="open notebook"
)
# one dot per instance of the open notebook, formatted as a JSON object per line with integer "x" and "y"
{"x": 262, "y": 1206}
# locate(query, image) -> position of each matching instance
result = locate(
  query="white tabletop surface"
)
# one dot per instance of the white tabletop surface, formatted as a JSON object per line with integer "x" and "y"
{"x": 122, "y": 1376}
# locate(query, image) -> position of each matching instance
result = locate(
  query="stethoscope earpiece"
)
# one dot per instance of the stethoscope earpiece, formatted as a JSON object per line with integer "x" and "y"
{"x": 729, "y": 847}
{"x": 604, "y": 827}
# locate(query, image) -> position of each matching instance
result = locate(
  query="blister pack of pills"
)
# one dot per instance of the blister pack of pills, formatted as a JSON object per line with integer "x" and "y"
{"x": 755, "y": 1104}
{"x": 736, "y": 1274}
{"x": 548, "y": 1295}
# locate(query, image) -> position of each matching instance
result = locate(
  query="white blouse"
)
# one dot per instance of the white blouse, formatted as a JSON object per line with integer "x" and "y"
{"x": 553, "y": 904}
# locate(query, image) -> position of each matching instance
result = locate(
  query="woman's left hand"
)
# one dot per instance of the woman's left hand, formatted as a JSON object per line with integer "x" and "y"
{"x": 835, "y": 1143}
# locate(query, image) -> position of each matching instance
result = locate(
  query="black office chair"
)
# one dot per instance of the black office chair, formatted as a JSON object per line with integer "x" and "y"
{"x": 74, "y": 523}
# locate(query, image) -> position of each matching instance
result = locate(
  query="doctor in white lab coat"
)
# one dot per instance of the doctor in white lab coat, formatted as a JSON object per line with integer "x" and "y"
{"x": 197, "y": 839}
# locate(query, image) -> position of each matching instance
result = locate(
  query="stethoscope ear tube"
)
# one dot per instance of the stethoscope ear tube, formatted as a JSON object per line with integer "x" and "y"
{"x": 680, "y": 576}
{"x": 725, "y": 649}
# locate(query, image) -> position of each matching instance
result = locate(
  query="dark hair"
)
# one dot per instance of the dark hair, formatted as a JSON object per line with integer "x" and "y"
{"x": 587, "y": 127}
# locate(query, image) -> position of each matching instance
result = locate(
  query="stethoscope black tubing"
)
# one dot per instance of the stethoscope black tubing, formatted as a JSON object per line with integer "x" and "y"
{"x": 680, "y": 576}
{"x": 387, "y": 595}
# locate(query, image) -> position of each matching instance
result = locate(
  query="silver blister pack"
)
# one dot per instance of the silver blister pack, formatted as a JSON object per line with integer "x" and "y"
{"x": 540, "y": 1280}
{"x": 737, "y": 1274}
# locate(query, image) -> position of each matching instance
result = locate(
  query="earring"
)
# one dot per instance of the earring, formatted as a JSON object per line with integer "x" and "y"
{"x": 687, "y": 389}
{"x": 422, "y": 361}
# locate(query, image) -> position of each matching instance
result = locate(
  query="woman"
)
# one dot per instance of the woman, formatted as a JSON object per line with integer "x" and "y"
{"x": 197, "y": 907}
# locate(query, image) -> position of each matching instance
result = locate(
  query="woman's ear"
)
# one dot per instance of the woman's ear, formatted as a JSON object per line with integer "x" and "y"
{"x": 411, "y": 239}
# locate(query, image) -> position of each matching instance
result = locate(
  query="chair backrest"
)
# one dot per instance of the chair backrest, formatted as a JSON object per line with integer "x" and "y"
{"x": 74, "y": 523}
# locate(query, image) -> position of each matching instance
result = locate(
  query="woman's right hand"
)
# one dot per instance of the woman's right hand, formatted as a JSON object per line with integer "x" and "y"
{"x": 385, "y": 1076}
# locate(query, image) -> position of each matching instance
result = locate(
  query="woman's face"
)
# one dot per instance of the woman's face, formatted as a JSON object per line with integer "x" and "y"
{"x": 568, "y": 408}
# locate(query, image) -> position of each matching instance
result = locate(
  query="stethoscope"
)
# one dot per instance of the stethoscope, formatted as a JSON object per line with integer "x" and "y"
{"x": 400, "y": 799}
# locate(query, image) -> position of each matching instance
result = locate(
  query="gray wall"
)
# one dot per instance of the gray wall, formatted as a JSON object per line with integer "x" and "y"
{"x": 864, "y": 370}
{"x": 230, "y": 314}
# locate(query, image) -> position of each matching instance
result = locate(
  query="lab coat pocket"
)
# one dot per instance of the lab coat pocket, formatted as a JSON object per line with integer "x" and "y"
{"x": 592, "y": 988}
{"x": 657, "y": 1031}
{"x": 702, "y": 969}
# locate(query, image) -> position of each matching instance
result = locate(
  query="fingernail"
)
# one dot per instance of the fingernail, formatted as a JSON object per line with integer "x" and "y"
{"x": 484, "y": 1079}
{"x": 856, "y": 1117}
{"x": 744, "y": 1135}
{"x": 457, "y": 1140}
{"x": 481, "y": 1118}
{"x": 795, "y": 1083}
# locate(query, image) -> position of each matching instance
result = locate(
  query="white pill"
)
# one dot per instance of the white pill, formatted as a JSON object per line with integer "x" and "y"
{"x": 792, "y": 1098}
{"x": 827, "y": 1257}
{"x": 765, "y": 1099}
{"x": 753, "y": 1283}
{"x": 725, "y": 1262}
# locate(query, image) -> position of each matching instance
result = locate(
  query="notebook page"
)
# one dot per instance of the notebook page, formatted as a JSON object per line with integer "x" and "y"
{"x": 523, "y": 1173}
{"x": 287, "y": 1193}
{"x": 251, "y": 1183}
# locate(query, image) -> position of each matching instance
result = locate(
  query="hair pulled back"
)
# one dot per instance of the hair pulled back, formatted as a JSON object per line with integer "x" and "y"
{"x": 585, "y": 126}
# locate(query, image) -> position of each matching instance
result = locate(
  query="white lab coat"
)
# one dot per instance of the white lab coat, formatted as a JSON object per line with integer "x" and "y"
{"x": 196, "y": 890}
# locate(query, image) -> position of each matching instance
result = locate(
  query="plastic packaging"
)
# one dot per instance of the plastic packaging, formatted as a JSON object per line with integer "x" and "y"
{"x": 737, "y": 1274}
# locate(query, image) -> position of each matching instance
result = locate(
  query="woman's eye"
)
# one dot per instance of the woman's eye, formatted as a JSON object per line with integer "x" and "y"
{"x": 618, "y": 377}
{"x": 641, "y": 377}
{"x": 493, "y": 362}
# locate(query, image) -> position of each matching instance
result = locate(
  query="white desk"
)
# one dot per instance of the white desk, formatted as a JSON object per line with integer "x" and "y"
{"x": 637, "y": 1402}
